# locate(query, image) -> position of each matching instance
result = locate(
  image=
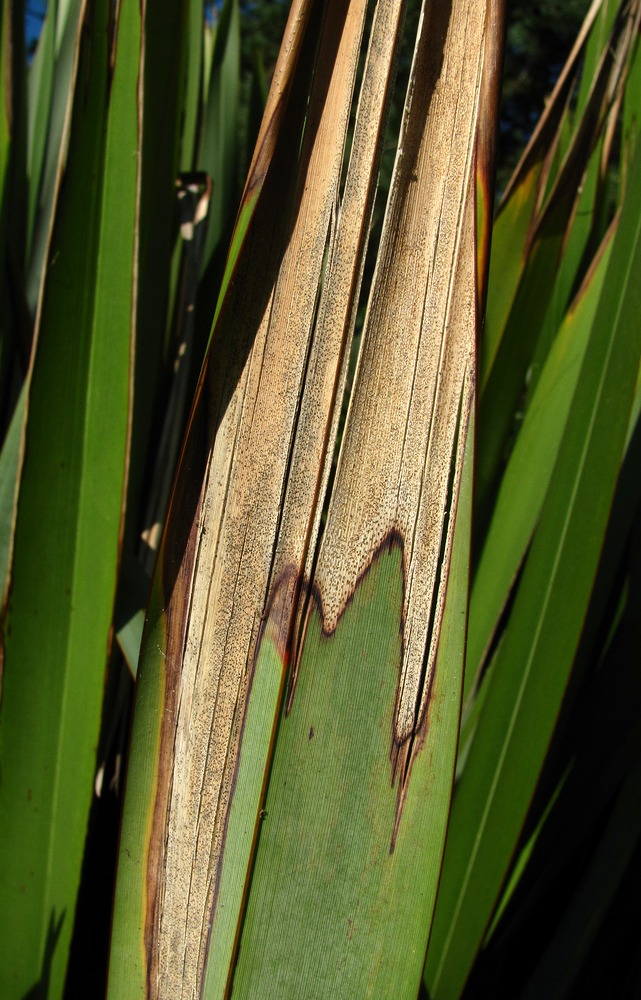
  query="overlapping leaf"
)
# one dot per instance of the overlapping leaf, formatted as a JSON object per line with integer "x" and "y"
{"x": 69, "y": 524}
{"x": 244, "y": 599}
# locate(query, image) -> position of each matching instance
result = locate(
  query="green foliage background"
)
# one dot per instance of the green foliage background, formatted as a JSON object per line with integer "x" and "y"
{"x": 546, "y": 798}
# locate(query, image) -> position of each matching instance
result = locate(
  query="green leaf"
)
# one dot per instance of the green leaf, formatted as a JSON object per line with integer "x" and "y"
{"x": 527, "y": 475}
{"x": 14, "y": 338}
{"x": 521, "y": 201}
{"x": 219, "y": 139}
{"x": 533, "y": 664}
{"x": 9, "y": 470}
{"x": 594, "y": 49}
{"x": 595, "y": 761}
{"x": 39, "y": 89}
{"x": 57, "y": 632}
{"x": 164, "y": 85}
{"x": 68, "y": 27}
{"x": 193, "y": 103}
{"x": 631, "y": 104}
{"x": 526, "y": 338}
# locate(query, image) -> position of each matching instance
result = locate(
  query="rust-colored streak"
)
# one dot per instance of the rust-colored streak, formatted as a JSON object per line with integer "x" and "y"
{"x": 264, "y": 151}
{"x": 284, "y": 72}
{"x": 284, "y": 596}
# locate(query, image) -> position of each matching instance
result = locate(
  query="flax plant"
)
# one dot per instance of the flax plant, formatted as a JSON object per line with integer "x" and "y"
{"x": 364, "y": 462}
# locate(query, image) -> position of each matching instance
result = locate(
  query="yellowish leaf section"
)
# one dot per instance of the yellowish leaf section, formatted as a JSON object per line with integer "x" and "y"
{"x": 266, "y": 421}
{"x": 267, "y": 403}
{"x": 400, "y": 465}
